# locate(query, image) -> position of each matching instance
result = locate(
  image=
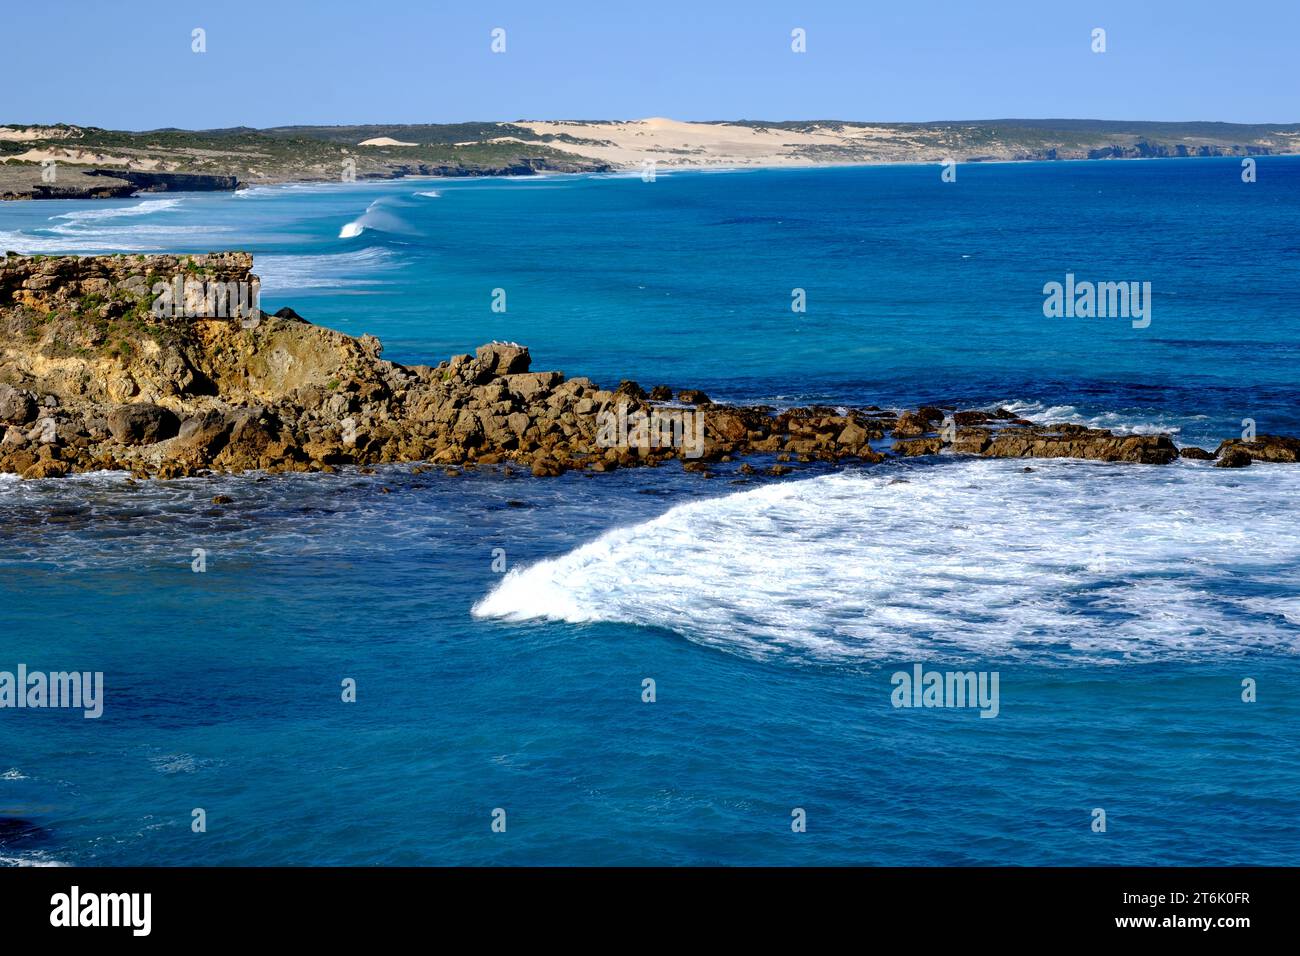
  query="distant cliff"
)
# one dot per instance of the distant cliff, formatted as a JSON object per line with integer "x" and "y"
{"x": 171, "y": 182}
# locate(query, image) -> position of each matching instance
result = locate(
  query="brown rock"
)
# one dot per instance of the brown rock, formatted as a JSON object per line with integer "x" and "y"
{"x": 911, "y": 425}
{"x": 46, "y": 469}
{"x": 1234, "y": 458}
{"x": 142, "y": 424}
{"x": 1076, "y": 441}
{"x": 17, "y": 407}
{"x": 503, "y": 358}
{"x": 1266, "y": 448}
{"x": 918, "y": 446}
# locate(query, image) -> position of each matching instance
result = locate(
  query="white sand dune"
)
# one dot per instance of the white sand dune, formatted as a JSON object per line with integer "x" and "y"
{"x": 84, "y": 157}
{"x": 677, "y": 143}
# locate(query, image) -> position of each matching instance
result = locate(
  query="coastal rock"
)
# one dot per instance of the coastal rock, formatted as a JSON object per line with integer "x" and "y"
{"x": 1264, "y": 448}
{"x": 174, "y": 397}
{"x": 1195, "y": 454}
{"x": 1075, "y": 441}
{"x": 910, "y": 447}
{"x": 142, "y": 424}
{"x": 503, "y": 358}
{"x": 17, "y": 407}
{"x": 1234, "y": 458}
{"x": 630, "y": 389}
{"x": 46, "y": 469}
{"x": 912, "y": 425}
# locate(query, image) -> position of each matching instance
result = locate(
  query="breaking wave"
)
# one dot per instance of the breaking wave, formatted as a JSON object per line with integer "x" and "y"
{"x": 146, "y": 208}
{"x": 1071, "y": 562}
{"x": 296, "y": 273}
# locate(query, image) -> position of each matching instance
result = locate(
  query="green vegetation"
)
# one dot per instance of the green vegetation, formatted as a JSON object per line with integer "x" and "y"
{"x": 307, "y": 152}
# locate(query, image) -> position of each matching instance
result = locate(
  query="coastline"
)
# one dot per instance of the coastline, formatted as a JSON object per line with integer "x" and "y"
{"x": 161, "y": 365}
{"x": 118, "y": 191}
{"x": 103, "y": 166}
{"x": 110, "y": 190}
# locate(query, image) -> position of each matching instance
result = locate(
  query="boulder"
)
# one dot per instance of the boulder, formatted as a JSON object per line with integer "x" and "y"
{"x": 912, "y": 425}
{"x": 17, "y": 407}
{"x": 503, "y": 358}
{"x": 142, "y": 424}
{"x": 46, "y": 468}
{"x": 529, "y": 386}
{"x": 911, "y": 447}
{"x": 1234, "y": 458}
{"x": 202, "y": 436}
{"x": 1265, "y": 448}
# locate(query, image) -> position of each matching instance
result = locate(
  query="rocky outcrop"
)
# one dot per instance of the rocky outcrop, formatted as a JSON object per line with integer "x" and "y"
{"x": 1233, "y": 458}
{"x": 1262, "y": 448}
{"x": 150, "y": 182}
{"x": 94, "y": 375}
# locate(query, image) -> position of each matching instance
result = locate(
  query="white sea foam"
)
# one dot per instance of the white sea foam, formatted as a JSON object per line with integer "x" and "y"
{"x": 333, "y": 271}
{"x": 1073, "y": 562}
{"x": 146, "y": 208}
{"x": 36, "y": 859}
{"x": 430, "y": 194}
{"x": 1117, "y": 422}
{"x": 81, "y": 238}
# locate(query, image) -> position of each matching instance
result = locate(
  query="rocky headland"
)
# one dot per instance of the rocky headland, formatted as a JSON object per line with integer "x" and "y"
{"x": 96, "y": 375}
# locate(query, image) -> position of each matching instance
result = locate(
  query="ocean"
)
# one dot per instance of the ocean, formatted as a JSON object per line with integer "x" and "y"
{"x": 504, "y": 633}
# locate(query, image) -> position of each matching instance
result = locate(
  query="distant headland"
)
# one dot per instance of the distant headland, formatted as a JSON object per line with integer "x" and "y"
{"x": 83, "y": 162}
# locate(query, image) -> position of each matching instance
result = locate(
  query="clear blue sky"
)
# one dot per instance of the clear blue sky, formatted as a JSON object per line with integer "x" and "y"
{"x": 276, "y": 62}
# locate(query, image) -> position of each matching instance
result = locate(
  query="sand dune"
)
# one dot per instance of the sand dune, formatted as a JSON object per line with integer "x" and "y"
{"x": 677, "y": 143}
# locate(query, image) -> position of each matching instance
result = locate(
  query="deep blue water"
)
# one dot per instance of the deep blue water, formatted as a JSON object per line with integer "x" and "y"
{"x": 1122, "y": 606}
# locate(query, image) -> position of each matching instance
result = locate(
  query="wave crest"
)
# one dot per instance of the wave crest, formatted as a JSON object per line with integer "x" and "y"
{"x": 1072, "y": 563}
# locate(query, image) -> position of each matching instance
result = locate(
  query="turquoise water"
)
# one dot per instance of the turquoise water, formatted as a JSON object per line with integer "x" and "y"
{"x": 1121, "y": 606}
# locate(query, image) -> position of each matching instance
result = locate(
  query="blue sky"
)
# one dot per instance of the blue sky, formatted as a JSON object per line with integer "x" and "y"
{"x": 275, "y": 62}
